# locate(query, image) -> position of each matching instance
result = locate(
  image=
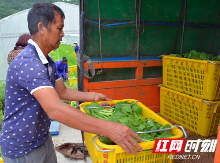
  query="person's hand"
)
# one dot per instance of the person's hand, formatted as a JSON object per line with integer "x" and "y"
{"x": 101, "y": 97}
{"x": 122, "y": 135}
{"x": 104, "y": 103}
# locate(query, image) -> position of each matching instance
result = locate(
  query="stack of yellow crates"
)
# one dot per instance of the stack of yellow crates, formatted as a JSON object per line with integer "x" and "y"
{"x": 72, "y": 69}
{"x": 190, "y": 94}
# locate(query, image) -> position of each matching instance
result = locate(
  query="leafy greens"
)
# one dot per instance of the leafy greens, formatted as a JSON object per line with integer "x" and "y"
{"x": 131, "y": 116}
{"x": 198, "y": 56}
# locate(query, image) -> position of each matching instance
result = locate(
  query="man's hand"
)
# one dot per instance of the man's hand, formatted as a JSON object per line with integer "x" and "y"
{"x": 123, "y": 136}
{"x": 100, "y": 97}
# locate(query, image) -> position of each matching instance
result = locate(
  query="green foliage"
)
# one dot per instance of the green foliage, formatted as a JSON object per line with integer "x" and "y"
{"x": 198, "y": 56}
{"x": 131, "y": 116}
{"x": 74, "y": 86}
{"x": 72, "y": 75}
{"x": 64, "y": 51}
{"x": 2, "y": 95}
{"x": 1, "y": 118}
{"x": 9, "y": 7}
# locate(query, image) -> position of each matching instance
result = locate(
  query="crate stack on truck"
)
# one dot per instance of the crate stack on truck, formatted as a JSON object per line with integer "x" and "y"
{"x": 190, "y": 94}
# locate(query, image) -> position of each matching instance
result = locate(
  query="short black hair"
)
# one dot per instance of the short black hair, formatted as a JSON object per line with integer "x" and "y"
{"x": 64, "y": 59}
{"x": 42, "y": 12}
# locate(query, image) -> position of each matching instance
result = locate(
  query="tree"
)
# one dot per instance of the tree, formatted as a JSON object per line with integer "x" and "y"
{"x": 9, "y": 7}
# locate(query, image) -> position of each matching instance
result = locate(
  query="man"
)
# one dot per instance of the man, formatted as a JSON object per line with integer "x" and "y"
{"x": 76, "y": 47}
{"x": 62, "y": 68}
{"x": 33, "y": 94}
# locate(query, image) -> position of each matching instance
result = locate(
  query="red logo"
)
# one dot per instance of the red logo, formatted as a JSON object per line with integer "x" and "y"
{"x": 169, "y": 145}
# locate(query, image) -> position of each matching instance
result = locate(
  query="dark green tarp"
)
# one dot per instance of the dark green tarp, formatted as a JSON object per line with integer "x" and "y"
{"x": 163, "y": 27}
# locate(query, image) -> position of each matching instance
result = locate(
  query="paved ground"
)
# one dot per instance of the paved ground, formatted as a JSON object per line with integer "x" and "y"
{"x": 68, "y": 135}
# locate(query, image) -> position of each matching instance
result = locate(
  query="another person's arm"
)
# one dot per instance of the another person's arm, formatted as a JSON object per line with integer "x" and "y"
{"x": 67, "y": 75}
{"x": 70, "y": 116}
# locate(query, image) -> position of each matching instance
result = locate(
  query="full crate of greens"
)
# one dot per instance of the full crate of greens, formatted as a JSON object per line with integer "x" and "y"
{"x": 194, "y": 73}
{"x": 139, "y": 118}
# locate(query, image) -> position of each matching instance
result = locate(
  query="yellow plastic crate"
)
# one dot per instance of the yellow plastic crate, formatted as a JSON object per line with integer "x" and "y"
{"x": 71, "y": 81}
{"x": 198, "y": 78}
{"x": 119, "y": 155}
{"x": 197, "y": 115}
{"x": 72, "y": 68}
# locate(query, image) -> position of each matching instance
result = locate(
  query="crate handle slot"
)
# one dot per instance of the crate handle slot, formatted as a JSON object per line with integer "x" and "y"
{"x": 105, "y": 106}
{"x": 110, "y": 150}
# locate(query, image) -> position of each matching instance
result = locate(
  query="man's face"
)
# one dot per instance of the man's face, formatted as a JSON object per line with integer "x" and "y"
{"x": 54, "y": 33}
{"x": 64, "y": 63}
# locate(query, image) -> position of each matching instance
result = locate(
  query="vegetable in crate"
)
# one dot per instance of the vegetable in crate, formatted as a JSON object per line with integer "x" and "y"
{"x": 198, "y": 56}
{"x": 131, "y": 116}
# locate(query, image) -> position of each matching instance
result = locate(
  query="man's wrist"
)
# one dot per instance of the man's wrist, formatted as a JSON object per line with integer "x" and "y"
{"x": 92, "y": 96}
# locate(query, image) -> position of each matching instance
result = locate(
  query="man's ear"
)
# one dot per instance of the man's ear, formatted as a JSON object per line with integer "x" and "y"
{"x": 41, "y": 27}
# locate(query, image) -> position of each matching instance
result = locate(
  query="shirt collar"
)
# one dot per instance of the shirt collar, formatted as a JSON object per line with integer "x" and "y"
{"x": 39, "y": 52}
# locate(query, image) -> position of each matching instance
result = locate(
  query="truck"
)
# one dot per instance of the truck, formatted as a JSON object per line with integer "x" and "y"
{"x": 125, "y": 40}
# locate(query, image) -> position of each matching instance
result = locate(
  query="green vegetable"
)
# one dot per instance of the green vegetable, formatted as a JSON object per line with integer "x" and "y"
{"x": 198, "y": 56}
{"x": 176, "y": 55}
{"x": 131, "y": 116}
{"x": 173, "y": 55}
{"x": 98, "y": 112}
{"x": 73, "y": 103}
{"x": 179, "y": 55}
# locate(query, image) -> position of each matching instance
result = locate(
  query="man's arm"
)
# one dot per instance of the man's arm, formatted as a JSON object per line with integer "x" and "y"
{"x": 72, "y": 117}
{"x": 74, "y": 95}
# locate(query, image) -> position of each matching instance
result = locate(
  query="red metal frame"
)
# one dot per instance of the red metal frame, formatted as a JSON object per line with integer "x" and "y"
{"x": 145, "y": 90}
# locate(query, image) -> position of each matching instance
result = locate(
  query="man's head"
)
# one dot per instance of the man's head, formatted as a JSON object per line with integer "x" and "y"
{"x": 64, "y": 60}
{"x": 45, "y": 23}
{"x": 42, "y": 12}
{"x": 75, "y": 43}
